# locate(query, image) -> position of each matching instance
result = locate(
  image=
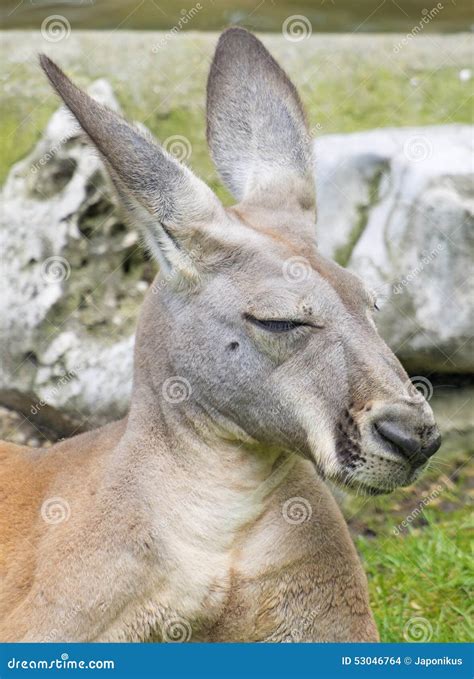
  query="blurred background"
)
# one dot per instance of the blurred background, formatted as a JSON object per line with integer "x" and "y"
{"x": 325, "y": 15}
{"x": 388, "y": 90}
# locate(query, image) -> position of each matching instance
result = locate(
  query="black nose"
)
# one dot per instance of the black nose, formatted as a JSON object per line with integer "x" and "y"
{"x": 417, "y": 449}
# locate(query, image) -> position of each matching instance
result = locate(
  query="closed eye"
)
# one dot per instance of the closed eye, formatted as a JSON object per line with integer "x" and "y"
{"x": 277, "y": 325}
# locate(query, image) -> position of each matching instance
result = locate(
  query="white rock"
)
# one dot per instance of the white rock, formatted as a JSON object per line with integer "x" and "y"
{"x": 396, "y": 206}
{"x": 59, "y": 367}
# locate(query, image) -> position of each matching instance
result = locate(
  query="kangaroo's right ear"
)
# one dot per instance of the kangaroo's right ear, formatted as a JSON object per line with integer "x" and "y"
{"x": 256, "y": 126}
{"x": 169, "y": 202}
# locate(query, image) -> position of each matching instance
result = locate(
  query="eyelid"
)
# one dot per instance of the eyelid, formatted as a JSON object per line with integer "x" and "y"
{"x": 297, "y": 323}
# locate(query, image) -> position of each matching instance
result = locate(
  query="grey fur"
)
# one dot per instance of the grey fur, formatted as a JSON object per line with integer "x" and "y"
{"x": 256, "y": 126}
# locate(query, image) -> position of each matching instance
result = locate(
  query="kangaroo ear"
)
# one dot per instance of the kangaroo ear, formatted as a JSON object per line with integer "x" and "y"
{"x": 256, "y": 126}
{"x": 166, "y": 199}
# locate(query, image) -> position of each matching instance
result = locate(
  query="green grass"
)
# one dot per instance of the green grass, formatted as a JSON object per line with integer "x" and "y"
{"x": 421, "y": 575}
{"x": 426, "y": 575}
{"x": 344, "y": 91}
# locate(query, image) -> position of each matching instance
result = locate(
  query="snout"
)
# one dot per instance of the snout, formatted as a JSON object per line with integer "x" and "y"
{"x": 406, "y": 436}
{"x": 396, "y": 439}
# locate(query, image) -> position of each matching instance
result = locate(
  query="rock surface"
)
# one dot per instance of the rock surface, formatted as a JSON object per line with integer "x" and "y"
{"x": 395, "y": 205}
{"x": 76, "y": 279}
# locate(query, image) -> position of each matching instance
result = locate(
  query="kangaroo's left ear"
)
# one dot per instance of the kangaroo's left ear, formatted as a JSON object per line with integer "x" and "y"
{"x": 177, "y": 212}
{"x": 256, "y": 126}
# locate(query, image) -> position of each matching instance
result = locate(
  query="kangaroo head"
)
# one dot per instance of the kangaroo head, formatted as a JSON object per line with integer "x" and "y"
{"x": 274, "y": 345}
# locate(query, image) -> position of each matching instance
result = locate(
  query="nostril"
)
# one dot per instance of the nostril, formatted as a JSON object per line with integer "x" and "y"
{"x": 404, "y": 443}
{"x": 413, "y": 447}
{"x": 430, "y": 449}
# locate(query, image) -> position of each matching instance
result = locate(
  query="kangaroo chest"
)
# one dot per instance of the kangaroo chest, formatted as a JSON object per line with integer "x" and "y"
{"x": 269, "y": 578}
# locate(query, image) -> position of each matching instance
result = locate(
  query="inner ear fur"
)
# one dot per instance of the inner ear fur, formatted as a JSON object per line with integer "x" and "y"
{"x": 256, "y": 126}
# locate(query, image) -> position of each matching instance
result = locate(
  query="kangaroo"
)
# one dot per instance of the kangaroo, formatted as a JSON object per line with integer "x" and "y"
{"x": 258, "y": 374}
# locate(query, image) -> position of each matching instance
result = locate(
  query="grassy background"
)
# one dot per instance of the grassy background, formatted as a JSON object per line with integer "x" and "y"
{"x": 347, "y": 83}
{"x": 421, "y": 578}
